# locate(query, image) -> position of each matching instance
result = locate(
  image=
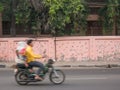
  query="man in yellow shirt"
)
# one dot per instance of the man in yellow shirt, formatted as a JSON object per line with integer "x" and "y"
{"x": 31, "y": 59}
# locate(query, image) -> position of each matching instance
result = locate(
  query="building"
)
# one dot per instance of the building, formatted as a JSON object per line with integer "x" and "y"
{"x": 94, "y": 27}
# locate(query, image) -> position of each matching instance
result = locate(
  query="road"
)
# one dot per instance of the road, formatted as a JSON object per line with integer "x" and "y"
{"x": 76, "y": 79}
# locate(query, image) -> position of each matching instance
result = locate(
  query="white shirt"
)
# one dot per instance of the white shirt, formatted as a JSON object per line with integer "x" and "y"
{"x": 20, "y": 46}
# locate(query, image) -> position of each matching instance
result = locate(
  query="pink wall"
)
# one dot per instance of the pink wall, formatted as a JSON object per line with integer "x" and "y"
{"x": 68, "y": 48}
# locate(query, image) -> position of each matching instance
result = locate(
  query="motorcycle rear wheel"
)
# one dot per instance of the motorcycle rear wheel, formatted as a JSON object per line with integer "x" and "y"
{"x": 21, "y": 78}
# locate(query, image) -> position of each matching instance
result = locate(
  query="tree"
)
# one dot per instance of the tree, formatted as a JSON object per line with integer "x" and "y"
{"x": 16, "y": 12}
{"x": 23, "y": 13}
{"x": 42, "y": 23}
{"x": 46, "y": 16}
{"x": 110, "y": 16}
{"x": 13, "y": 21}
{"x": 34, "y": 13}
{"x": 1, "y": 9}
{"x": 8, "y": 13}
{"x": 51, "y": 15}
{"x": 62, "y": 12}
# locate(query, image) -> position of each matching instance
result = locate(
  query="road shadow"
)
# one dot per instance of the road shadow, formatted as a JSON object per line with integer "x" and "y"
{"x": 44, "y": 84}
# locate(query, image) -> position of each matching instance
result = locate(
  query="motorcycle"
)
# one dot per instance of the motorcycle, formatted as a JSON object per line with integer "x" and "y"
{"x": 24, "y": 76}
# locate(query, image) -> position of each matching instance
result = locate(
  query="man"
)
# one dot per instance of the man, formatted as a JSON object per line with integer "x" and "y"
{"x": 20, "y": 59}
{"x": 31, "y": 59}
{"x": 20, "y": 51}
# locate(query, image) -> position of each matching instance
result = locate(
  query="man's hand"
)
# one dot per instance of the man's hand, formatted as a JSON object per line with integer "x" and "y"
{"x": 44, "y": 56}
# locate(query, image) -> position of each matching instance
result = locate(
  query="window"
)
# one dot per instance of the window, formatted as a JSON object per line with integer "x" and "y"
{"x": 94, "y": 10}
{"x": 94, "y": 28}
{"x": 95, "y": 1}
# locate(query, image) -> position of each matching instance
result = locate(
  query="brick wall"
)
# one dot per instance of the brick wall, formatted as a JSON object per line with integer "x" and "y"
{"x": 102, "y": 48}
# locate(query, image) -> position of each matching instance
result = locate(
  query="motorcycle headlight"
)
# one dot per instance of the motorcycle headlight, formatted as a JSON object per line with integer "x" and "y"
{"x": 50, "y": 61}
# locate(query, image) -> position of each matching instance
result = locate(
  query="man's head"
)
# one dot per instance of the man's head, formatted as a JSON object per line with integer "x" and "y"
{"x": 30, "y": 42}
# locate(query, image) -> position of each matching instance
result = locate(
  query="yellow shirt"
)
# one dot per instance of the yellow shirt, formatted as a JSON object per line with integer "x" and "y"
{"x": 30, "y": 55}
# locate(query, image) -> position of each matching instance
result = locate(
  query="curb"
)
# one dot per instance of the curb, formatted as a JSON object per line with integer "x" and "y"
{"x": 2, "y": 66}
{"x": 106, "y": 66}
{"x": 73, "y": 66}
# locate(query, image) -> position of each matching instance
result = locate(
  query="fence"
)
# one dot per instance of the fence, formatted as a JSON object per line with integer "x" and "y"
{"x": 83, "y": 48}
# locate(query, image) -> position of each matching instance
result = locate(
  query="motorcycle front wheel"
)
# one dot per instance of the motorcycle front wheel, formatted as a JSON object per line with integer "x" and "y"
{"x": 57, "y": 77}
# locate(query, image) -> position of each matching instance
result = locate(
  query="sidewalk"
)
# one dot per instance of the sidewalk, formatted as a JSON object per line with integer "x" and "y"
{"x": 107, "y": 64}
{"x": 89, "y": 64}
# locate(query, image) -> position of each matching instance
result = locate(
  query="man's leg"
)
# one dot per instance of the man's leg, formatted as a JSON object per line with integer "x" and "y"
{"x": 37, "y": 64}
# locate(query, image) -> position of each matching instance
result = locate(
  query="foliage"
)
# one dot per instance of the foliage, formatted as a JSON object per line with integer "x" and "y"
{"x": 22, "y": 12}
{"x": 52, "y": 14}
{"x": 5, "y": 6}
{"x": 62, "y": 12}
{"x": 109, "y": 13}
{"x": 48, "y": 15}
{"x": 30, "y": 14}
{"x": 1, "y": 7}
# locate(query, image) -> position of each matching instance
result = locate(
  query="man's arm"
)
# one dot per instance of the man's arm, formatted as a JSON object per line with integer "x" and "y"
{"x": 36, "y": 56}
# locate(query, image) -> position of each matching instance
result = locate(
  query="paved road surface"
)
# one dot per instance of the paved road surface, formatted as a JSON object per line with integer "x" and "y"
{"x": 76, "y": 79}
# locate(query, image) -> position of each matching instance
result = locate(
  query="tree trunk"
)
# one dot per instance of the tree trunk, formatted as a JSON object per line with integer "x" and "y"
{"x": 37, "y": 4}
{"x": 13, "y": 26}
{"x": 114, "y": 32}
{"x": 0, "y": 25}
